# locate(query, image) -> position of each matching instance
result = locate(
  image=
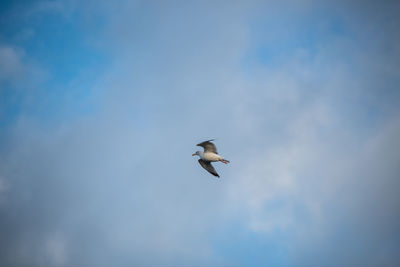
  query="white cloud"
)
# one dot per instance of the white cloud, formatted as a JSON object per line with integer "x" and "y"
{"x": 17, "y": 70}
{"x": 321, "y": 183}
{"x": 11, "y": 65}
{"x": 55, "y": 247}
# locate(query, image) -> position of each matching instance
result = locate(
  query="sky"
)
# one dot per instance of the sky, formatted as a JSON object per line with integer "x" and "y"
{"x": 102, "y": 104}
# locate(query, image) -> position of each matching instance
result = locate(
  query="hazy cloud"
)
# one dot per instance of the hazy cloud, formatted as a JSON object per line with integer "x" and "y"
{"x": 11, "y": 66}
{"x": 311, "y": 134}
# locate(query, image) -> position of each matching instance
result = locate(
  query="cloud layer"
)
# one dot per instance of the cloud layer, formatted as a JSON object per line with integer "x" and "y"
{"x": 303, "y": 101}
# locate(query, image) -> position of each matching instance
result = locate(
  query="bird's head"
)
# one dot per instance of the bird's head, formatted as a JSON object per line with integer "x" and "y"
{"x": 196, "y": 153}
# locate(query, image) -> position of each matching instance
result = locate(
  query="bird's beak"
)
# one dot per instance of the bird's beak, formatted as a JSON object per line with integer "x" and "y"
{"x": 194, "y": 154}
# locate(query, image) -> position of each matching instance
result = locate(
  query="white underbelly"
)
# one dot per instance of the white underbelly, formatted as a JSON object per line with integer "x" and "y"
{"x": 212, "y": 156}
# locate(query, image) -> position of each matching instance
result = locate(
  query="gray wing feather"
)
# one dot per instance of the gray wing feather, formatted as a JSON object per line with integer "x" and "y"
{"x": 207, "y": 165}
{"x": 208, "y": 146}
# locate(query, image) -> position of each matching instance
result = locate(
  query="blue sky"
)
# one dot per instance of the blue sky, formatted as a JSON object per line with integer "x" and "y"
{"x": 101, "y": 105}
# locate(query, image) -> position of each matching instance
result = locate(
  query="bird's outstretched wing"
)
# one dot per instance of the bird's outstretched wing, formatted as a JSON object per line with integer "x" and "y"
{"x": 208, "y": 146}
{"x": 207, "y": 165}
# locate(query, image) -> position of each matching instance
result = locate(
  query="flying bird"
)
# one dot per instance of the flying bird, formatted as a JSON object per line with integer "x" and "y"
{"x": 209, "y": 155}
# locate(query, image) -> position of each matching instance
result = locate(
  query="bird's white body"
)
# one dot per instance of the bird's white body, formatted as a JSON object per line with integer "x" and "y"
{"x": 209, "y": 156}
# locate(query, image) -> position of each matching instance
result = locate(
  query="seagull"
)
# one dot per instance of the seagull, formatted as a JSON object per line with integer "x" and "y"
{"x": 209, "y": 155}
